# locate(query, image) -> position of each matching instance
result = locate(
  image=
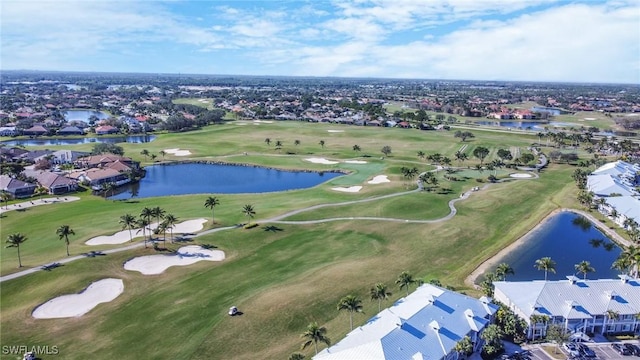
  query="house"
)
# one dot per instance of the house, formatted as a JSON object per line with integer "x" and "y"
{"x": 67, "y": 156}
{"x": 427, "y": 324}
{"x": 606, "y": 185}
{"x": 17, "y": 188}
{"x": 70, "y": 130}
{"x": 102, "y": 160}
{"x": 625, "y": 171}
{"x": 36, "y": 130}
{"x": 578, "y": 305}
{"x": 96, "y": 177}
{"x": 8, "y": 131}
{"x": 54, "y": 183}
{"x": 106, "y": 130}
{"x": 626, "y": 207}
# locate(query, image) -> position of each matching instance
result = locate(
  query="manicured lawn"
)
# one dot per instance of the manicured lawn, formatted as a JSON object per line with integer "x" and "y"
{"x": 281, "y": 276}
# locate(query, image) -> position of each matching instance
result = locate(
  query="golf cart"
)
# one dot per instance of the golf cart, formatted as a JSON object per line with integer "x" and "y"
{"x": 233, "y": 311}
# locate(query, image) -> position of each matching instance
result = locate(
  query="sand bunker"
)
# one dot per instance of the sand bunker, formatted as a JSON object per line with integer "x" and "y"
{"x": 123, "y": 236}
{"x": 379, "y": 180}
{"x": 335, "y": 131}
{"x": 321, "y": 161}
{"x": 355, "y": 162}
{"x": 186, "y": 255}
{"x": 256, "y": 122}
{"x": 75, "y": 305}
{"x": 351, "y": 189}
{"x": 590, "y": 119}
{"x": 520, "y": 176}
{"x": 177, "y": 152}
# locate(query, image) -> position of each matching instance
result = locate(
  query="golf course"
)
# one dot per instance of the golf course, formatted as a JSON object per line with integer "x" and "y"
{"x": 304, "y": 251}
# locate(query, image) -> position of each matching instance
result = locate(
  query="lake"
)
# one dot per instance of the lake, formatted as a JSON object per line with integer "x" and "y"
{"x": 83, "y": 115}
{"x": 195, "y": 178}
{"x": 533, "y": 125}
{"x": 135, "y": 139}
{"x": 568, "y": 238}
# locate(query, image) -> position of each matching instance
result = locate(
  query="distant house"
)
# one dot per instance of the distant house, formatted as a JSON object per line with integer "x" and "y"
{"x": 36, "y": 130}
{"x": 8, "y": 131}
{"x": 56, "y": 184}
{"x": 71, "y": 130}
{"x": 17, "y": 188}
{"x": 67, "y": 156}
{"x": 575, "y": 304}
{"x": 424, "y": 325}
{"x": 106, "y": 130}
{"x": 102, "y": 160}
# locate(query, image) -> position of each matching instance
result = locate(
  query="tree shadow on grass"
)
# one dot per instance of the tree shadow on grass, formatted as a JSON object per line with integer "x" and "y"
{"x": 272, "y": 228}
{"x": 51, "y": 266}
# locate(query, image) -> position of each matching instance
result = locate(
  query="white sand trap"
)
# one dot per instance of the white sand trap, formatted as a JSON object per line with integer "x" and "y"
{"x": 590, "y": 119}
{"x": 177, "y": 152}
{"x": 75, "y": 305}
{"x": 321, "y": 161}
{"x": 379, "y": 180}
{"x": 521, "y": 176}
{"x": 335, "y": 131}
{"x": 262, "y": 121}
{"x": 122, "y": 237}
{"x": 355, "y": 162}
{"x": 351, "y": 189}
{"x": 186, "y": 255}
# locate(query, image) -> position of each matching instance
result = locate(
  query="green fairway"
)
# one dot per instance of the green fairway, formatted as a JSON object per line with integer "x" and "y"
{"x": 281, "y": 276}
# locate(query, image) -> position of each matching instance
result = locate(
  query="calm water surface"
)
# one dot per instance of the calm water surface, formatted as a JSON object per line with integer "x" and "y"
{"x": 74, "y": 141}
{"x": 182, "y": 179}
{"x": 567, "y": 238}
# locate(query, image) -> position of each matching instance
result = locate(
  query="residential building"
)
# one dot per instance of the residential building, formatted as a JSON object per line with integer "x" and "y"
{"x": 17, "y": 188}
{"x": 427, "y": 324}
{"x": 96, "y": 177}
{"x": 586, "y": 306}
{"x": 56, "y": 184}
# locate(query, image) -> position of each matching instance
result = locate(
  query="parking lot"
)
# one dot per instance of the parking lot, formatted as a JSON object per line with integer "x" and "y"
{"x": 603, "y": 351}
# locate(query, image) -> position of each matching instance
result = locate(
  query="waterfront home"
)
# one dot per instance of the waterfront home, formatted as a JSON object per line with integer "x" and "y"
{"x": 67, "y": 156}
{"x": 102, "y": 160}
{"x": 96, "y": 177}
{"x": 36, "y": 130}
{"x": 8, "y": 131}
{"x": 54, "y": 183}
{"x": 71, "y": 130}
{"x": 106, "y": 130}
{"x": 427, "y": 324}
{"x": 626, "y": 207}
{"x": 17, "y": 188}
{"x": 589, "y": 306}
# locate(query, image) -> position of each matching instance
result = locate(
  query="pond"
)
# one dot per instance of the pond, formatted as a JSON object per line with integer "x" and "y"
{"x": 532, "y": 125}
{"x": 135, "y": 139}
{"x": 83, "y": 115}
{"x": 196, "y": 178}
{"x": 568, "y": 238}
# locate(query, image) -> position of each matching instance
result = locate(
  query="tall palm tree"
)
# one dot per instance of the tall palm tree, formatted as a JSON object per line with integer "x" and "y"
{"x": 379, "y": 292}
{"x": 545, "y": 264}
{"x": 421, "y": 155}
{"x": 322, "y": 143}
{"x": 211, "y": 203}
{"x": 356, "y": 148}
{"x": 162, "y": 228}
{"x": 405, "y": 280}
{"x": 170, "y": 220}
{"x": 145, "y": 152}
{"x": 267, "y": 141}
{"x": 630, "y": 257}
{"x": 147, "y": 214}
{"x": 352, "y": 304}
{"x": 162, "y": 153}
{"x": 143, "y": 222}
{"x": 612, "y": 315}
{"x": 464, "y": 346}
{"x": 40, "y": 190}
{"x": 585, "y": 268}
{"x": 296, "y": 142}
{"x": 5, "y": 196}
{"x": 315, "y": 334}
{"x": 249, "y": 212}
{"x": 128, "y": 221}
{"x": 503, "y": 270}
{"x": 63, "y": 232}
{"x": 158, "y": 213}
{"x": 14, "y": 240}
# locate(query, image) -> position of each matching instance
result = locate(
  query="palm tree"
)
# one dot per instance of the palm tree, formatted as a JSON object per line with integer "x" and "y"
{"x": 40, "y": 190}
{"x": 162, "y": 228}
{"x": 128, "y": 221}
{"x": 147, "y": 214}
{"x": 630, "y": 259}
{"x": 63, "y": 232}
{"x": 14, "y": 240}
{"x": 503, "y": 270}
{"x": 356, "y": 148}
{"x": 352, "y": 304}
{"x": 584, "y": 267}
{"x": 5, "y": 196}
{"x": 267, "y": 141}
{"x": 211, "y": 203}
{"x": 322, "y": 143}
{"x": 405, "y": 280}
{"x": 143, "y": 222}
{"x": 162, "y": 153}
{"x": 249, "y": 212}
{"x": 379, "y": 292}
{"x": 296, "y": 142}
{"x": 464, "y": 346}
{"x": 170, "y": 220}
{"x": 145, "y": 152}
{"x": 153, "y": 157}
{"x": 612, "y": 315}
{"x": 545, "y": 264}
{"x": 313, "y": 335}
{"x": 158, "y": 213}
{"x": 421, "y": 155}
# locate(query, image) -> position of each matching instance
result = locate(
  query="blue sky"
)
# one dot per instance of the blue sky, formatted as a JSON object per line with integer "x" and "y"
{"x": 539, "y": 40}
